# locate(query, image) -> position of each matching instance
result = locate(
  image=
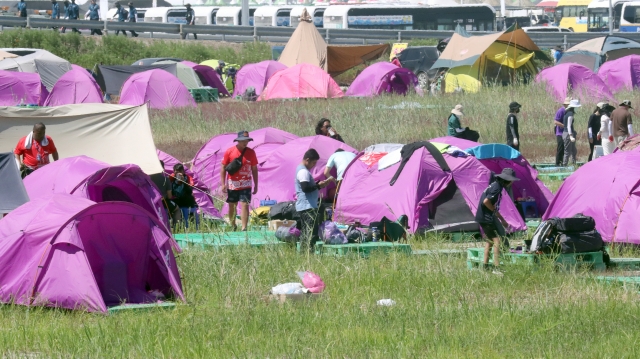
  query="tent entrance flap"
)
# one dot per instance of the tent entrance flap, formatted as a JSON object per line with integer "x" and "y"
{"x": 450, "y": 212}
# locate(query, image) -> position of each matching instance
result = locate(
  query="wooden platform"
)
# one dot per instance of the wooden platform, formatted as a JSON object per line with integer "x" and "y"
{"x": 569, "y": 261}
{"x": 226, "y": 239}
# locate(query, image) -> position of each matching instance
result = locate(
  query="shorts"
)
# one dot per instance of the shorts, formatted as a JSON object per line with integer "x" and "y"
{"x": 490, "y": 231}
{"x": 240, "y": 195}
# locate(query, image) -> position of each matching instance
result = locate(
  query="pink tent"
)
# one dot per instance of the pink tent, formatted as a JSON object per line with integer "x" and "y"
{"x": 69, "y": 252}
{"x": 207, "y": 162}
{"x": 383, "y": 77}
{"x": 75, "y": 86}
{"x": 85, "y": 177}
{"x": 36, "y": 92}
{"x": 301, "y": 81}
{"x": 158, "y": 87}
{"x": 256, "y": 76}
{"x": 13, "y": 91}
{"x": 607, "y": 190}
{"x": 204, "y": 201}
{"x": 621, "y": 74}
{"x": 576, "y": 80}
{"x": 277, "y": 173}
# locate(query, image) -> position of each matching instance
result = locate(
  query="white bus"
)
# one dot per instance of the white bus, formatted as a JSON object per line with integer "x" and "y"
{"x": 472, "y": 17}
{"x": 598, "y": 15}
{"x": 205, "y": 15}
{"x": 272, "y": 16}
{"x": 630, "y": 19}
{"x": 231, "y": 15}
{"x": 317, "y": 12}
{"x": 168, "y": 15}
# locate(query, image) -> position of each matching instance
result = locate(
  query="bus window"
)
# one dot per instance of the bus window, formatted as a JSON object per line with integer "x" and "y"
{"x": 632, "y": 14}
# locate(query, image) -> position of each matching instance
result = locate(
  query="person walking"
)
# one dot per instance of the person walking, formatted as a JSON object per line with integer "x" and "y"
{"x": 55, "y": 12}
{"x": 65, "y": 9}
{"x": 33, "y": 150}
{"x": 73, "y": 12}
{"x": 190, "y": 17}
{"x": 593, "y": 128}
{"x": 93, "y": 14}
{"x": 622, "y": 123}
{"x": 569, "y": 133}
{"x": 605, "y": 133}
{"x": 489, "y": 218}
{"x": 559, "y": 126}
{"x": 307, "y": 192}
{"x": 182, "y": 191}
{"x": 22, "y": 9}
{"x": 121, "y": 14}
{"x": 513, "y": 135}
{"x": 241, "y": 164}
{"x": 133, "y": 17}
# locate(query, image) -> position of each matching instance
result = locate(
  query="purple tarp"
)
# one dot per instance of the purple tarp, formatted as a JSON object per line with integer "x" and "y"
{"x": 256, "y": 76}
{"x": 528, "y": 176}
{"x": 207, "y": 162}
{"x": 157, "y": 87}
{"x": 75, "y": 86}
{"x": 607, "y": 190}
{"x": 208, "y": 77}
{"x": 415, "y": 191}
{"x": 13, "y": 91}
{"x": 69, "y": 252}
{"x": 383, "y": 77}
{"x": 621, "y": 74}
{"x": 575, "y": 80}
{"x": 204, "y": 201}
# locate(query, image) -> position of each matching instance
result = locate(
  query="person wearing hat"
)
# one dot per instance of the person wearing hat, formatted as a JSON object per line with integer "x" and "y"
{"x": 488, "y": 214}
{"x": 605, "y": 134}
{"x": 622, "y": 123}
{"x": 190, "y": 17}
{"x": 455, "y": 129}
{"x": 569, "y": 133}
{"x": 593, "y": 128}
{"x": 220, "y": 68}
{"x": 513, "y": 135}
{"x": 239, "y": 167}
{"x": 121, "y": 14}
{"x": 133, "y": 17}
{"x": 559, "y": 125}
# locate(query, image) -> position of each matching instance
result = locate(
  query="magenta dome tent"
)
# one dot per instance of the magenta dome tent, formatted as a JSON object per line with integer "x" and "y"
{"x": 207, "y": 162}
{"x": 496, "y": 157}
{"x": 69, "y": 252}
{"x": 383, "y": 77}
{"x": 85, "y": 177}
{"x": 204, "y": 201}
{"x": 435, "y": 193}
{"x": 36, "y": 92}
{"x": 621, "y": 74}
{"x": 13, "y": 91}
{"x": 607, "y": 190}
{"x": 76, "y": 86}
{"x": 277, "y": 173}
{"x": 157, "y": 87}
{"x": 210, "y": 77}
{"x": 301, "y": 81}
{"x": 574, "y": 80}
{"x": 256, "y": 76}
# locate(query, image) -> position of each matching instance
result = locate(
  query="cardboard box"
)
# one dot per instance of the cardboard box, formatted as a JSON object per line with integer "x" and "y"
{"x": 275, "y": 224}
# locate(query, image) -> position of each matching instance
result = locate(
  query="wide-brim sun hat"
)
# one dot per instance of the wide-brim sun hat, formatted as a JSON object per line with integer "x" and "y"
{"x": 567, "y": 101}
{"x": 626, "y": 103}
{"x": 243, "y": 136}
{"x": 457, "y": 111}
{"x": 508, "y": 174}
{"x": 575, "y": 104}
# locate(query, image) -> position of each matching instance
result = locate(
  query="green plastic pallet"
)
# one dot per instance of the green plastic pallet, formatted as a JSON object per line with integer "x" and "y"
{"x": 534, "y": 223}
{"x": 204, "y": 94}
{"x": 227, "y": 239}
{"x": 593, "y": 260}
{"x": 551, "y": 164}
{"x": 364, "y": 249}
{"x": 439, "y": 252}
{"x": 140, "y": 307}
{"x": 555, "y": 175}
{"x": 629, "y": 283}
{"x": 625, "y": 263}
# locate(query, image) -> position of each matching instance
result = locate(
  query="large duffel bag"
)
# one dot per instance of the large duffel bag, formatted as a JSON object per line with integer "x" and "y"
{"x": 572, "y": 242}
{"x": 284, "y": 211}
{"x": 577, "y": 223}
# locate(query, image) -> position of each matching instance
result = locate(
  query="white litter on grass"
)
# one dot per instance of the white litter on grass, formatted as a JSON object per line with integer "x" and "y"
{"x": 404, "y": 105}
{"x": 289, "y": 288}
{"x": 386, "y": 302}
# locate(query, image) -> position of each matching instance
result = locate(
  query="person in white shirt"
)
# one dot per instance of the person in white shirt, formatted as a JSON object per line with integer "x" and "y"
{"x": 605, "y": 132}
{"x": 340, "y": 160}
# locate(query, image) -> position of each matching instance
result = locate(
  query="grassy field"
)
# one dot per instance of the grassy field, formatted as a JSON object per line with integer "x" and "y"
{"x": 442, "y": 310}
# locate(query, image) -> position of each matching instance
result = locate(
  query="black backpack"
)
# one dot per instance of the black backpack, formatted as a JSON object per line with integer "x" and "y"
{"x": 283, "y": 211}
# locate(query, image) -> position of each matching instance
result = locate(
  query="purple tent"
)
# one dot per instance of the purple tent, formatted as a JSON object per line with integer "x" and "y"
{"x": 278, "y": 170}
{"x": 432, "y": 197}
{"x": 204, "y": 201}
{"x": 85, "y": 177}
{"x": 208, "y": 77}
{"x": 383, "y": 77}
{"x": 157, "y": 87}
{"x": 69, "y": 252}
{"x": 621, "y": 74}
{"x": 207, "y": 162}
{"x": 256, "y": 76}
{"x": 575, "y": 80}
{"x": 496, "y": 157}
{"x": 607, "y": 190}
{"x": 36, "y": 92}
{"x": 75, "y": 86}
{"x": 13, "y": 91}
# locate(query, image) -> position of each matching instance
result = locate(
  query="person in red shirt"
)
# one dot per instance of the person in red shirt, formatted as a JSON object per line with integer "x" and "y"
{"x": 237, "y": 185}
{"x": 33, "y": 150}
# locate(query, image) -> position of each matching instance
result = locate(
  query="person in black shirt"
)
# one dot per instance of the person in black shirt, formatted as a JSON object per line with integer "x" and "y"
{"x": 513, "y": 136}
{"x": 594, "y": 128}
{"x": 190, "y": 17}
{"x": 488, "y": 214}
{"x": 182, "y": 191}
{"x": 323, "y": 128}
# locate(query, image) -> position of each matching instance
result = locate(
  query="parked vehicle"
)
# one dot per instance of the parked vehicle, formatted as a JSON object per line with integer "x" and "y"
{"x": 535, "y": 29}
{"x": 419, "y": 59}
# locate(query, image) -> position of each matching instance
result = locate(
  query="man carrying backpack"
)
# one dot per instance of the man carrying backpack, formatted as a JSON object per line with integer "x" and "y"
{"x": 122, "y": 14}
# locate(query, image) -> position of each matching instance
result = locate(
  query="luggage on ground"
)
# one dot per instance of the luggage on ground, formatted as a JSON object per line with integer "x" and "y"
{"x": 577, "y": 223}
{"x": 284, "y": 210}
{"x": 579, "y": 242}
